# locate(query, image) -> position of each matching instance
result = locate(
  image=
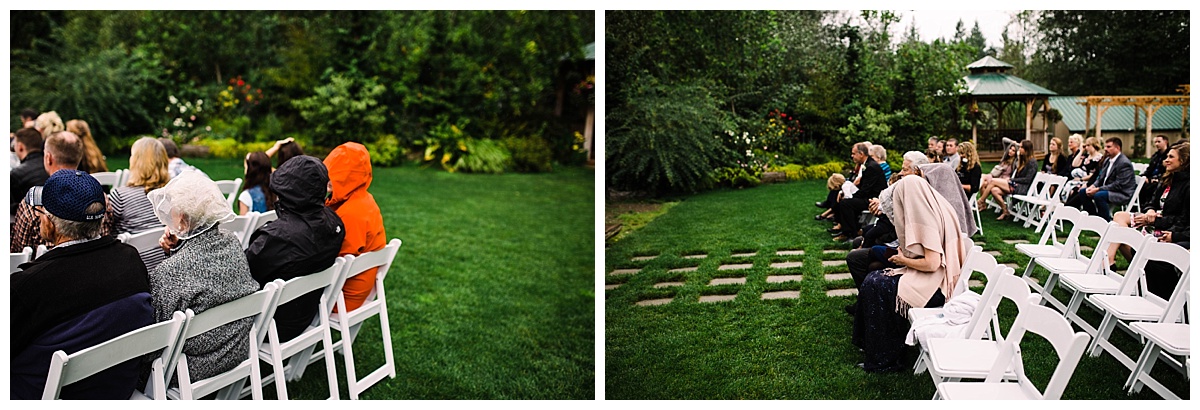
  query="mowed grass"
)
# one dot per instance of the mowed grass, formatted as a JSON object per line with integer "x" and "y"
{"x": 750, "y": 348}
{"x": 491, "y": 295}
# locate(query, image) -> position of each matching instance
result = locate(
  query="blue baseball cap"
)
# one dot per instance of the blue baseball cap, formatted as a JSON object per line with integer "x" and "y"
{"x": 67, "y": 194}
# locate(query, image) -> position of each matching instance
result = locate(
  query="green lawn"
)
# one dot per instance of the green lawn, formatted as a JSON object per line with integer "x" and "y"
{"x": 750, "y": 348}
{"x": 491, "y": 295}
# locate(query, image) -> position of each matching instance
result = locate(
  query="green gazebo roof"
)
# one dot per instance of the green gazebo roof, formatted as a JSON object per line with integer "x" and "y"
{"x": 1116, "y": 118}
{"x": 990, "y": 78}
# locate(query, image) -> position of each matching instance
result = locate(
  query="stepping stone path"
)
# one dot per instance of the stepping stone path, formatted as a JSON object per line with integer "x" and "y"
{"x": 787, "y": 294}
{"x": 786, "y": 265}
{"x": 1015, "y": 241}
{"x": 611, "y": 287}
{"x": 643, "y": 258}
{"x": 993, "y": 253}
{"x": 833, "y": 263}
{"x": 736, "y": 266}
{"x": 831, "y": 251}
{"x": 717, "y": 298}
{"x": 973, "y": 283}
{"x": 1085, "y": 248}
{"x": 783, "y": 278}
{"x": 744, "y": 255}
{"x": 727, "y": 281}
{"x": 790, "y": 252}
{"x": 689, "y": 269}
{"x": 837, "y": 276}
{"x": 1016, "y": 268}
{"x": 654, "y": 302}
{"x": 701, "y": 256}
{"x": 841, "y": 292}
{"x": 624, "y": 271}
{"x": 661, "y": 285}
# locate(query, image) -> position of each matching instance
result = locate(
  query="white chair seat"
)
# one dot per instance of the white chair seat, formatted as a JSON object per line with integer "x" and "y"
{"x": 1175, "y": 338}
{"x": 1063, "y": 265}
{"x": 964, "y": 358}
{"x": 915, "y": 314}
{"x": 1089, "y": 283}
{"x": 983, "y": 391}
{"x": 1128, "y": 308}
{"x": 1033, "y": 250}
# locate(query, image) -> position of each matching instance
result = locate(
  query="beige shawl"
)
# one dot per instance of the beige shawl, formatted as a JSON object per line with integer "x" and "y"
{"x": 925, "y": 220}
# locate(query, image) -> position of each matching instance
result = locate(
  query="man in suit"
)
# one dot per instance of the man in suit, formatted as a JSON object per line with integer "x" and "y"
{"x": 871, "y": 182}
{"x": 1114, "y": 183}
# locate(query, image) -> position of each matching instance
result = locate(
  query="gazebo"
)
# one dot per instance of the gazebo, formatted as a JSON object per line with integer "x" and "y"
{"x": 989, "y": 82}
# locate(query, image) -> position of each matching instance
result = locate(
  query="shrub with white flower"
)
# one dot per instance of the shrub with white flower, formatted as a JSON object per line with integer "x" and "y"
{"x": 188, "y": 115}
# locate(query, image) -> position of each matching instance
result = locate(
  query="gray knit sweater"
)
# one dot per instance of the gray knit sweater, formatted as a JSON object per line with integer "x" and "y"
{"x": 206, "y": 271}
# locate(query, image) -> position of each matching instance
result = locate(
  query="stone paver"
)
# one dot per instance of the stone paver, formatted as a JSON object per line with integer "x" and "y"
{"x": 1016, "y": 268}
{"x": 727, "y": 281}
{"x": 1085, "y": 248}
{"x": 667, "y": 284}
{"x": 841, "y": 292}
{"x": 611, "y": 287}
{"x": 717, "y": 298}
{"x": 833, "y": 263}
{"x": 736, "y": 266}
{"x": 829, "y": 251}
{"x": 837, "y": 276}
{"x": 790, "y": 252}
{"x": 643, "y": 258}
{"x": 993, "y": 253}
{"x": 783, "y": 278}
{"x": 1015, "y": 241}
{"x": 744, "y": 255}
{"x": 787, "y": 294}
{"x": 654, "y": 302}
{"x": 700, "y": 256}
{"x": 786, "y": 265}
{"x": 688, "y": 269}
{"x": 624, "y": 271}
{"x": 973, "y": 283}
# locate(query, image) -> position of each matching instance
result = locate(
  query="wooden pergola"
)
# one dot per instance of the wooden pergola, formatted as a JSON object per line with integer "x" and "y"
{"x": 1145, "y": 103}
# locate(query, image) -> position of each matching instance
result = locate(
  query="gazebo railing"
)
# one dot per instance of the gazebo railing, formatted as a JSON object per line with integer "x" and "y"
{"x": 991, "y": 140}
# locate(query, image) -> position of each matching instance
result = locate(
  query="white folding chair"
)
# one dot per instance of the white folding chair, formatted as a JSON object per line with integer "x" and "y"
{"x": 258, "y": 305}
{"x": 300, "y": 348}
{"x": 1048, "y": 245}
{"x": 110, "y": 178}
{"x": 1037, "y": 209}
{"x": 18, "y": 258}
{"x": 263, "y": 218}
{"x": 122, "y": 176}
{"x": 1140, "y": 168}
{"x": 1135, "y": 201}
{"x": 41, "y": 250}
{"x": 230, "y": 189}
{"x": 348, "y": 323}
{"x": 1008, "y": 199}
{"x": 1129, "y": 305}
{"x": 976, "y": 261}
{"x": 1039, "y": 189}
{"x": 1171, "y": 338}
{"x": 975, "y": 210}
{"x": 952, "y": 359}
{"x": 1040, "y": 320}
{"x": 241, "y": 226}
{"x": 144, "y": 240}
{"x": 1071, "y": 260}
{"x": 159, "y": 337}
{"x": 1097, "y": 278}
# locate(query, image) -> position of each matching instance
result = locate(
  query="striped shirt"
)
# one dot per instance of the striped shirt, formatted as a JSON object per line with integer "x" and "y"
{"x": 133, "y": 213}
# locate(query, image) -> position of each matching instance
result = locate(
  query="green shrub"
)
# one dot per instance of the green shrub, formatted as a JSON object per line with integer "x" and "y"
{"x": 385, "y": 150}
{"x": 344, "y": 109}
{"x": 482, "y": 156}
{"x": 229, "y": 148}
{"x": 735, "y": 177}
{"x": 664, "y": 138}
{"x": 797, "y": 172}
{"x": 529, "y": 154}
{"x": 792, "y": 171}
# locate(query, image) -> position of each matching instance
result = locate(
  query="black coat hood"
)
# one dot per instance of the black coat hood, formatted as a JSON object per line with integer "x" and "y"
{"x": 300, "y": 185}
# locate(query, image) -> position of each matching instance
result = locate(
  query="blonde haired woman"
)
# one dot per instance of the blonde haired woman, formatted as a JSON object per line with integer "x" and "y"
{"x": 129, "y": 209}
{"x": 48, "y": 123}
{"x": 93, "y": 159}
{"x": 968, "y": 168}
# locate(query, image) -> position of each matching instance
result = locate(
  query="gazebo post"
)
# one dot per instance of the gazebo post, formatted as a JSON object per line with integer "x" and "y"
{"x": 1149, "y": 127}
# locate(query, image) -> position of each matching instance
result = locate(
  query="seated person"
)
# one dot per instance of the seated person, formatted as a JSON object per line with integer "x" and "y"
{"x": 1056, "y": 162}
{"x": 1113, "y": 183}
{"x": 131, "y": 212}
{"x": 30, "y": 172}
{"x": 350, "y": 175}
{"x": 86, "y": 290}
{"x": 206, "y": 268}
{"x": 256, "y": 191}
{"x": 870, "y": 182}
{"x": 1024, "y": 170}
{"x": 879, "y": 154}
{"x": 1168, "y": 214}
{"x": 175, "y": 164}
{"x": 63, "y": 151}
{"x": 968, "y": 169}
{"x": 305, "y": 239}
{"x": 930, "y": 255}
{"x": 1003, "y": 170}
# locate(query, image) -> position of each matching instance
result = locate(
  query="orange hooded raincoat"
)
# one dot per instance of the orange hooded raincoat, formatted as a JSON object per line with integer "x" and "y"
{"x": 350, "y": 174}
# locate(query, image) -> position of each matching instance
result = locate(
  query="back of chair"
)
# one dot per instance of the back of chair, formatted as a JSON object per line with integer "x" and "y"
{"x": 1086, "y": 223}
{"x": 1153, "y": 250}
{"x": 1002, "y": 284}
{"x": 230, "y": 189}
{"x": 1140, "y": 167}
{"x": 1115, "y": 234}
{"x": 1055, "y": 328}
{"x": 976, "y": 261}
{"x": 123, "y": 176}
{"x": 1061, "y": 213}
{"x": 1051, "y": 183}
{"x": 108, "y": 178}
{"x": 144, "y": 240}
{"x": 263, "y": 218}
{"x": 259, "y": 305}
{"x": 41, "y": 250}
{"x": 240, "y": 226}
{"x": 18, "y": 258}
{"x": 329, "y": 279}
{"x": 66, "y": 369}
{"x": 381, "y": 258}
{"x": 1179, "y": 299}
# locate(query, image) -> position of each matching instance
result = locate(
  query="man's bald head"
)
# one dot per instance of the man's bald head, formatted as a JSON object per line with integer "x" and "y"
{"x": 66, "y": 148}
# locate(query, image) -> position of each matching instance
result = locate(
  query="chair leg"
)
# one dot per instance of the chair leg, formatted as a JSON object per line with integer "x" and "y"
{"x": 330, "y": 365}
{"x": 1028, "y": 278}
{"x": 348, "y": 361}
{"x": 387, "y": 336}
{"x": 1102, "y": 333}
{"x": 1145, "y": 363}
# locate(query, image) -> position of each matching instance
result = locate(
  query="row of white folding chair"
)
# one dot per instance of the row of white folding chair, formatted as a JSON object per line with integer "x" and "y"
{"x": 1033, "y": 209}
{"x": 1172, "y": 338}
{"x": 17, "y": 258}
{"x": 975, "y": 210}
{"x": 230, "y": 189}
{"x": 1135, "y": 201}
{"x": 110, "y": 178}
{"x": 1070, "y": 260}
{"x": 161, "y": 337}
{"x": 1045, "y": 322}
{"x": 1097, "y": 278}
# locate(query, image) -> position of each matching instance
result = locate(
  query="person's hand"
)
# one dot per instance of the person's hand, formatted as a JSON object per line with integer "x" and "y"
{"x": 284, "y": 141}
{"x": 1092, "y": 190}
{"x": 168, "y": 241}
{"x": 873, "y": 205}
{"x": 1166, "y": 237}
{"x": 898, "y": 259}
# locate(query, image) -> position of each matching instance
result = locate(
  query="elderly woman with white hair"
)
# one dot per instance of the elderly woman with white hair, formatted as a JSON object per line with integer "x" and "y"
{"x": 206, "y": 268}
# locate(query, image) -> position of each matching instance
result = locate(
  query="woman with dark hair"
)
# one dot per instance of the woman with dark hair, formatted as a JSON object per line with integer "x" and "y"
{"x": 1168, "y": 213}
{"x": 287, "y": 148}
{"x": 93, "y": 159}
{"x": 256, "y": 195}
{"x": 1024, "y": 170}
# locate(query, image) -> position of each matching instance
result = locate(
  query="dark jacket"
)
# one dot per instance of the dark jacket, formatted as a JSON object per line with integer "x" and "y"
{"x": 1022, "y": 178}
{"x": 1155, "y": 169}
{"x": 1175, "y": 211}
{"x": 969, "y": 176}
{"x": 304, "y": 240}
{"x": 1119, "y": 182}
{"x": 872, "y": 182}
{"x": 29, "y": 174}
{"x": 1061, "y": 167}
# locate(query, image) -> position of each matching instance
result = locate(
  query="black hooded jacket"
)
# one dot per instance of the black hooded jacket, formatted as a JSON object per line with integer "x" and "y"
{"x": 304, "y": 240}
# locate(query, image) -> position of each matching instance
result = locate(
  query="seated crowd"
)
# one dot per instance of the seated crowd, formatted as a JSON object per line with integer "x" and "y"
{"x": 103, "y": 288}
{"x": 912, "y": 255}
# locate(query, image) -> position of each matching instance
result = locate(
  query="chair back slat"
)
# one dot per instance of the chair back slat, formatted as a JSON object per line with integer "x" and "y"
{"x": 18, "y": 258}
{"x": 1051, "y": 325}
{"x": 67, "y": 369}
{"x": 302, "y": 285}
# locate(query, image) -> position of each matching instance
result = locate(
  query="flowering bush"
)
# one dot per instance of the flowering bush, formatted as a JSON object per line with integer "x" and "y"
{"x": 586, "y": 89}
{"x": 239, "y": 96}
{"x": 184, "y": 115}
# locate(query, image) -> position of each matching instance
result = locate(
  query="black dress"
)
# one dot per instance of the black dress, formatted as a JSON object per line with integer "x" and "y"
{"x": 879, "y": 330}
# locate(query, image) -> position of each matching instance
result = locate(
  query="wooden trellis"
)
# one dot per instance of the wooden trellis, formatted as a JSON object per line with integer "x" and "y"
{"x": 1145, "y": 103}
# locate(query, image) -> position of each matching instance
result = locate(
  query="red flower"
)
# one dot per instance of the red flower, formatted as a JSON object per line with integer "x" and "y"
{"x": 240, "y": 82}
